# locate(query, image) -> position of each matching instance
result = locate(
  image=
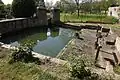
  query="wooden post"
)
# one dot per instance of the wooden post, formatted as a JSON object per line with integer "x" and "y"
{"x": 97, "y": 36}
{"x": 0, "y": 35}
{"x": 97, "y": 29}
{"x": 96, "y": 44}
{"x": 77, "y": 35}
{"x": 97, "y": 53}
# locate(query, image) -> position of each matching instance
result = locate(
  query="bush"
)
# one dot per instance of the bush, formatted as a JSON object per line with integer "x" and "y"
{"x": 23, "y": 8}
{"x": 23, "y": 54}
{"x": 111, "y": 19}
{"x": 79, "y": 71}
{"x": 115, "y": 20}
{"x": 28, "y": 43}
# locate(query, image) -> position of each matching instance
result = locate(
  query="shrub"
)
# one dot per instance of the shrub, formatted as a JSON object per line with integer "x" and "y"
{"x": 23, "y": 54}
{"x": 79, "y": 71}
{"x": 28, "y": 43}
{"x": 110, "y": 19}
{"x": 115, "y": 20}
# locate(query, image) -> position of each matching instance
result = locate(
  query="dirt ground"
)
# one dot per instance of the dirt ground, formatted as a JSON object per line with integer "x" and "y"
{"x": 86, "y": 46}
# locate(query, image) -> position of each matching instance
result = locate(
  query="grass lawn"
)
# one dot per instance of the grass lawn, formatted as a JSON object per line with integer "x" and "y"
{"x": 28, "y": 71}
{"x": 66, "y": 17}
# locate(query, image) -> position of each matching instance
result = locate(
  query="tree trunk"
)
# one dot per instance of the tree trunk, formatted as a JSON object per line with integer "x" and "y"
{"x": 105, "y": 12}
{"x": 78, "y": 12}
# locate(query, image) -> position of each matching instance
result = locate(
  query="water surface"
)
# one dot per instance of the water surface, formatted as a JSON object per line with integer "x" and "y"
{"x": 47, "y": 41}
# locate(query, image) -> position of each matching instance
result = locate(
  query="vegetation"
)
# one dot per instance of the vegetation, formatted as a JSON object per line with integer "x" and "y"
{"x": 2, "y": 11}
{"x": 23, "y": 8}
{"x": 23, "y": 54}
{"x": 87, "y": 6}
{"x": 28, "y": 43}
{"x": 82, "y": 68}
{"x": 21, "y": 65}
{"x": 100, "y": 18}
{"x": 79, "y": 71}
{"x": 1, "y": 2}
{"x": 20, "y": 70}
{"x": 117, "y": 69}
{"x": 5, "y": 11}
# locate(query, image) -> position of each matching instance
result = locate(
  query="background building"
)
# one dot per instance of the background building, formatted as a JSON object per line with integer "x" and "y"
{"x": 114, "y": 11}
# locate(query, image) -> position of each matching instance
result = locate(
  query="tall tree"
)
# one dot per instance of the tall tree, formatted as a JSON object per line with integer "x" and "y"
{"x": 68, "y": 6}
{"x": 23, "y": 8}
{"x": 78, "y": 6}
{"x": 39, "y": 3}
{"x": 1, "y": 2}
{"x": 112, "y": 2}
{"x": 8, "y": 11}
{"x": 49, "y": 5}
{"x": 57, "y": 4}
{"x": 2, "y": 11}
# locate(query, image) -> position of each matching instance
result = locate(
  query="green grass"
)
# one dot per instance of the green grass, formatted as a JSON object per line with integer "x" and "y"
{"x": 65, "y": 17}
{"x": 117, "y": 70}
{"x": 21, "y": 71}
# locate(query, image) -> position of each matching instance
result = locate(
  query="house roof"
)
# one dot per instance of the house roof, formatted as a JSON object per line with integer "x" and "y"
{"x": 113, "y": 5}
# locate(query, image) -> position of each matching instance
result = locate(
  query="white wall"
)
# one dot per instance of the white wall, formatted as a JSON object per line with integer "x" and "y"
{"x": 114, "y": 11}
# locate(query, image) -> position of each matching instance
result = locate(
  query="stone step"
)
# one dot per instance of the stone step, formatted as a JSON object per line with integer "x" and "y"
{"x": 105, "y": 30}
{"x": 110, "y": 39}
{"x": 110, "y": 42}
{"x": 101, "y": 62}
{"x": 109, "y": 49}
{"x": 108, "y": 57}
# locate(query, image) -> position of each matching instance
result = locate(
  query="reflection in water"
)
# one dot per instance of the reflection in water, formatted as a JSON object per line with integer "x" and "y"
{"x": 48, "y": 32}
{"x": 48, "y": 41}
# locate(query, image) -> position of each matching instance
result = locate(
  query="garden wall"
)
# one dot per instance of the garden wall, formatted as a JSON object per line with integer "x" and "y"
{"x": 10, "y": 25}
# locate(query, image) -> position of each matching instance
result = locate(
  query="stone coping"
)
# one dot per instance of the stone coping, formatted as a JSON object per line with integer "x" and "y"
{"x": 9, "y": 20}
{"x": 65, "y": 48}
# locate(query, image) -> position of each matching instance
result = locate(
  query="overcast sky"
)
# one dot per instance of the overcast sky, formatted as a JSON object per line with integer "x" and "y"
{"x": 10, "y": 1}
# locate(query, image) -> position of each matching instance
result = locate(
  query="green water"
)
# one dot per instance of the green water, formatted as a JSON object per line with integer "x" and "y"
{"x": 49, "y": 45}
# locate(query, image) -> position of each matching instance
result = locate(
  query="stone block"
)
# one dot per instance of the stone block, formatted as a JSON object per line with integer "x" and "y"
{"x": 117, "y": 44}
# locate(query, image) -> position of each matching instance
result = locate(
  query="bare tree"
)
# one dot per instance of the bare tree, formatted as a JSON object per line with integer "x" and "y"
{"x": 68, "y": 6}
{"x": 57, "y": 4}
{"x": 78, "y": 6}
{"x": 49, "y": 5}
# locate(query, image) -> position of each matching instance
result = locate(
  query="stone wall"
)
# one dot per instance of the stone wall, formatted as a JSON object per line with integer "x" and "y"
{"x": 55, "y": 15}
{"x": 114, "y": 11}
{"x": 10, "y": 25}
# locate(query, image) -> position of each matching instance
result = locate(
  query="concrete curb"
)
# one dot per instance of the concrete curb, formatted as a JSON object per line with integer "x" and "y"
{"x": 65, "y": 48}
